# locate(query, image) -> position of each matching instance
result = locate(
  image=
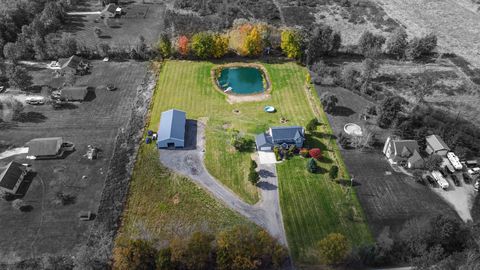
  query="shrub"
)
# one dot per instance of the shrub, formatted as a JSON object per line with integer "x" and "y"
{"x": 343, "y": 140}
{"x": 134, "y": 254}
{"x": 334, "y": 248}
{"x": 183, "y": 45}
{"x": 322, "y": 42}
{"x": 164, "y": 46}
{"x": 312, "y": 125}
{"x": 66, "y": 198}
{"x": 333, "y": 173}
{"x": 312, "y": 166}
{"x": 203, "y": 45}
{"x": 195, "y": 253}
{"x": 276, "y": 151}
{"x": 350, "y": 77}
{"x": 419, "y": 47}
{"x": 18, "y": 77}
{"x": 19, "y": 204}
{"x": 164, "y": 259}
{"x": 315, "y": 153}
{"x": 433, "y": 162}
{"x": 329, "y": 102}
{"x": 253, "y": 177}
{"x": 304, "y": 153}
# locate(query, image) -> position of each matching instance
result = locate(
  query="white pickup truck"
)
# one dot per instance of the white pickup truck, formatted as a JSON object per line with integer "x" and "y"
{"x": 442, "y": 182}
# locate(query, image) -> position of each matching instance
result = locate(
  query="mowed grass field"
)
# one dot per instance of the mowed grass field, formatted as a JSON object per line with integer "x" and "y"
{"x": 312, "y": 205}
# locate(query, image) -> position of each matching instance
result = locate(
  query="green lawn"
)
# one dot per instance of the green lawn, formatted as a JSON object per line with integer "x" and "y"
{"x": 312, "y": 205}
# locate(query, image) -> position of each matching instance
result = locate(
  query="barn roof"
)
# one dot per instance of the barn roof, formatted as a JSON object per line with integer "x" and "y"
{"x": 436, "y": 143}
{"x": 11, "y": 174}
{"x": 44, "y": 146}
{"x": 71, "y": 62}
{"x": 172, "y": 125}
{"x": 74, "y": 93}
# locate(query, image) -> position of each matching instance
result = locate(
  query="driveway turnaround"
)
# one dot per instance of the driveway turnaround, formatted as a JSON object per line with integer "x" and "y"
{"x": 189, "y": 162}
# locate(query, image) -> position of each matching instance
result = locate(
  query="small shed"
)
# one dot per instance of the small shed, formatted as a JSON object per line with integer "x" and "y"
{"x": 74, "y": 93}
{"x": 42, "y": 148}
{"x": 435, "y": 145}
{"x": 172, "y": 129}
{"x": 12, "y": 177}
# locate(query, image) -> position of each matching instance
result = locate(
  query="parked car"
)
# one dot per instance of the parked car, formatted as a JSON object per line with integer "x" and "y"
{"x": 431, "y": 180}
{"x": 455, "y": 180}
{"x": 36, "y": 100}
{"x": 467, "y": 178}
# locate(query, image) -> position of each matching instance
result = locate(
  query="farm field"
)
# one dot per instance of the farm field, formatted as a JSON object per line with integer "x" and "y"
{"x": 49, "y": 228}
{"x": 453, "y": 21}
{"x": 187, "y": 86}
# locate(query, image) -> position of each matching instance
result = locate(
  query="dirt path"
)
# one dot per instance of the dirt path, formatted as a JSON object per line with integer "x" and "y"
{"x": 189, "y": 162}
{"x": 455, "y": 24}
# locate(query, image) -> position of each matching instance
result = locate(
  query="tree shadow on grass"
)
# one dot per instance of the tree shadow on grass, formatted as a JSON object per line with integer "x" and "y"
{"x": 265, "y": 173}
{"x": 31, "y": 117}
{"x": 342, "y": 111}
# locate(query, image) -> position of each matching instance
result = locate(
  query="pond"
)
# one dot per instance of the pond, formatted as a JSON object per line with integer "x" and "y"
{"x": 241, "y": 80}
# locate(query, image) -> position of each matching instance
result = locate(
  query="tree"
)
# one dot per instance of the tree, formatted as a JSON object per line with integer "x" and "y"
{"x": 220, "y": 45}
{"x": 11, "y": 108}
{"x": 333, "y": 173}
{"x": 203, "y": 45}
{"x": 389, "y": 111}
{"x": 10, "y": 51}
{"x": 244, "y": 248}
{"x": 104, "y": 49}
{"x": 253, "y": 44}
{"x": 370, "y": 45}
{"x": 350, "y": 77}
{"x": 312, "y": 125}
{"x": 40, "y": 48}
{"x": 324, "y": 41}
{"x": 315, "y": 153}
{"x": 433, "y": 162}
{"x": 97, "y": 31}
{"x": 329, "y": 102}
{"x": 195, "y": 253}
{"x": 165, "y": 46}
{"x": 312, "y": 166}
{"x": 239, "y": 142}
{"x": 419, "y": 47}
{"x": 133, "y": 254}
{"x": 253, "y": 176}
{"x": 397, "y": 43}
{"x": 18, "y": 204}
{"x": 334, "y": 248}
{"x": 142, "y": 47}
{"x": 291, "y": 43}
{"x": 183, "y": 45}
{"x": 67, "y": 46}
{"x": 369, "y": 69}
{"x": 18, "y": 77}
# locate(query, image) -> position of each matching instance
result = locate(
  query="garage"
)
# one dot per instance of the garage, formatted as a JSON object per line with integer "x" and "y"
{"x": 171, "y": 133}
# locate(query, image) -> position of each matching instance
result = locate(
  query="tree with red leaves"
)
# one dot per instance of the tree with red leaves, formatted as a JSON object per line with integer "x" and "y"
{"x": 183, "y": 45}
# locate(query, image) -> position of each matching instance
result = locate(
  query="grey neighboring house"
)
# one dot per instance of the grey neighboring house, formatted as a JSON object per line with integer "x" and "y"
{"x": 172, "y": 129}
{"x": 294, "y": 135}
{"x": 12, "y": 177}
{"x": 435, "y": 145}
{"x": 78, "y": 93}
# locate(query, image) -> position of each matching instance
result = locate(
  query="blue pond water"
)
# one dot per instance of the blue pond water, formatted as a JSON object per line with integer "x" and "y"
{"x": 242, "y": 80}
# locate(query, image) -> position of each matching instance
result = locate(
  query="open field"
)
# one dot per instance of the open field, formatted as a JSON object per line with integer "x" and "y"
{"x": 187, "y": 86}
{"x": 453, "y": 21}
{"x": 51, "y": 229}
{"x": 145, "y": 20}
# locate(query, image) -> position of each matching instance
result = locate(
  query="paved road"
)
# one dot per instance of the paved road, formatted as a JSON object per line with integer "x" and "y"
{"x": 189, "y": 162}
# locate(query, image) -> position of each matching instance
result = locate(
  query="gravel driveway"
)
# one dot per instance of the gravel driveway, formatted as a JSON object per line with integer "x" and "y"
{"x": 189, "y": 162}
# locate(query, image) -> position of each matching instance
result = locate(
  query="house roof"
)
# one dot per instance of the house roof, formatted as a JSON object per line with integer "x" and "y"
{"x": 286, "y": 133}
{"x": 436, "y": 143}
{"x": 263, "y": 139}
{"x": 172, "y": 125}
{"x": 74, "y": 93}
{"x": 71, "y": 62}
{"x": 44, "y": 146}
{"x": 415, "y": 158}
{"x": 110, "y": 8}
{"x": 11, "y": 174}
{"x": 405, "y": 147}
